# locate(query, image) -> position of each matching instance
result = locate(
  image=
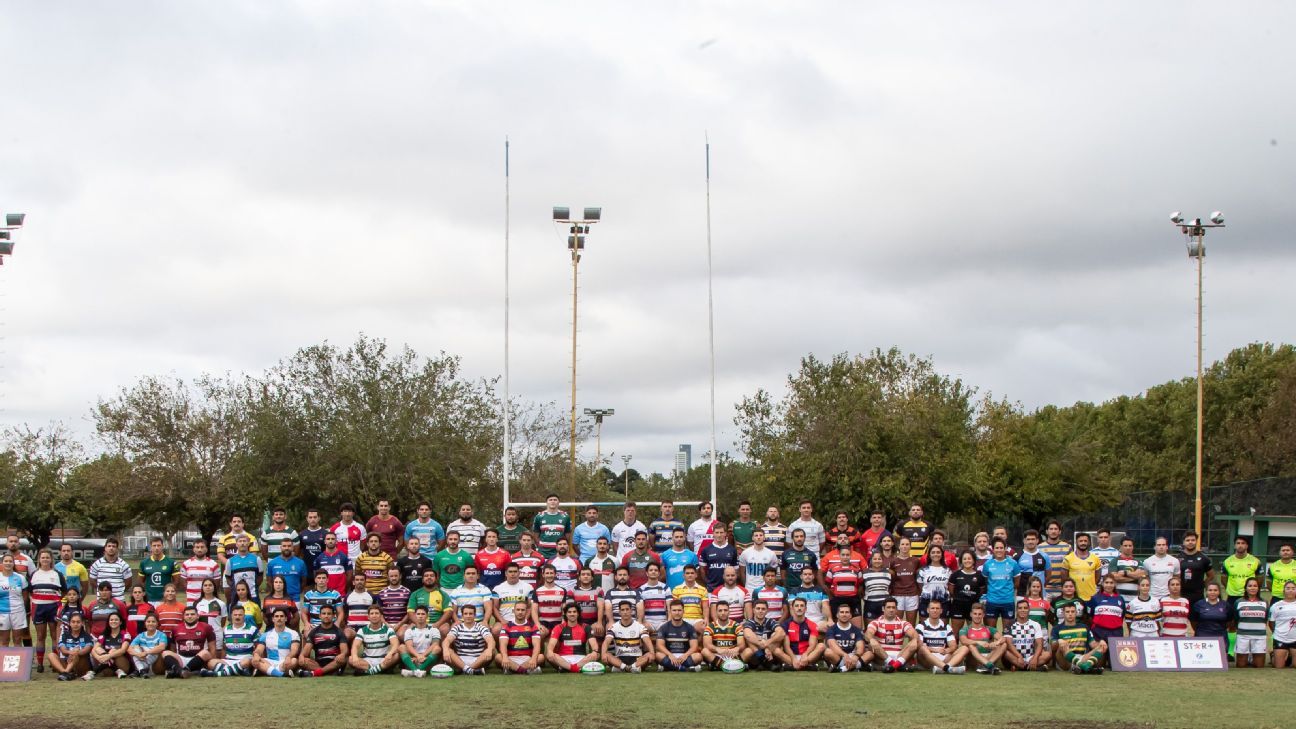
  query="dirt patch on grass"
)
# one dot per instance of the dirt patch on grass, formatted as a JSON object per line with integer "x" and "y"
{"x": 1072, "y": 724}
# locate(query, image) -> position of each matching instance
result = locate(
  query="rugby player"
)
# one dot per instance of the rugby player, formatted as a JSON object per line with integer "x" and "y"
{"x": 528, "y": 560}
{"x": 547, "y": 602}
{"x": 721, "y": 639}
{"x": 844, "y": 646}
{"x": 621, "y": 592}
{"x": 602, "y": 564}
{"x": 938, "y": 647}
{"x": 1077, "y": 649}
{"x": 388, "y": 528}
{"x": 731, "y": 596}
{"x": 412, "y": 564}
{"x": 985, "y": 645}
{"x": 373, "y": 563}
{"x": 717, "y": 557}
{"x": 491, "y": 561}
{"x": 588, "y": 598}
{"x": 638, "y": 558}
{"x": 335, "y": 563}
{"x": 428, "y": 531}
{"x": 276, "y": 652}
{"x": 624, "y": 533}
{"x": 916, "y": 530}
{"x": 585, "y": 536}
{"x": 677, "y": 642}
{"x": 473, "y": 593}
{"x": 892, "y": 639}
{"x": 314, "y": 600}
{"x": 552, "y": 524}
{"x": 146, "y": 649}
{"x": 1027, "y": 646}
{"x": 628, "y": 645}
{"x": 510, "y": 532}
{"x": 469, "y": 646}
{"x": 193, "y": 644}
{"x": 109, "y": 652}
{"x": 743, "y": 527}
{"x": 801, "y": 647}
{"x": 70, "y": 658}
{"x": 430, "y": 596}
{"x": 694, "y": 597}
{"x": 356, "y": 605}
{"x": 509, "y": 593}
{"x": 325, "y": 650}
{"x": 570, "y": 645}
{"x": 375, "y": 648}
{"x": 238, "y": 647}
{"x": 566, "y": 568}
{"x": 654, "y": 599}
{"x": 797, "y": 557}
{"x": 394, "y": 601}
{"x": 1282, "y": 623}
{"x": 818, "y": 610}
{"x": 761, "y": 637}
{"x": 451, "y": 562}
{"x": 756, "y": 559}
{"x": 519, "y": 640}
{"x": 699, "y": 532}
{"x": 677, "y": 558}
{"x": 470, "y": 531}
{"x": 420, "y": 647}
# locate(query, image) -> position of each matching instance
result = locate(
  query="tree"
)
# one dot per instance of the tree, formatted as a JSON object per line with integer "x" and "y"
{"x": 34, "y": 470}
{"x": 86, "y": 506}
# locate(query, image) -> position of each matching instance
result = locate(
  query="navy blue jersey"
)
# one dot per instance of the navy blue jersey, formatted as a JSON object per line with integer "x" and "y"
{"x": 714, "y": 559}
{"x": 312, "y": 544}
{"x": 677, "y": 637}
{"x": 847, "y": 638}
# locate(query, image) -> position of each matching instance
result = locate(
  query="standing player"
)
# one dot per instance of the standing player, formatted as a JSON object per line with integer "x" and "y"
{"x": 1195, "y": 569}
{"x": 1282, "y": 622}
{"x": 197, "y": 568}
{"x": 356, "y": 604}
{"x": 429, "y": 532}
{"x": 512, "y": 591}
{"x": 1031, "y": 562}
{"x": 1000, "y": 574}
{"x": 797, "y": 557}
{"x": 375, "y": 648}
{"x": 553, "y": 524}
{"x": 1106, "y": 610}
{"x": 315, "y": 600}
{"x": 628, "y": 645}
{"x": 587, "y": 533}
{"x": 743, "y": 527}
{"x": 869, "y": 538}
{"x": 938, "y": 647}
{"x": 45, "y": 588}
{"x": 288, "y": 566}
{"x": 469, "y": 646}
{"x": 421, "y": 646}
{"x": 570, "y": 646}
{"x": 887, "y": 639}
{"x": 757, "y": 558}
{"x": 226, "y": 543}
{"x": 588, "y": 598}
{"x": 111, "y": 569}
{"x": 565, "y": 566}
{"x": 700, "y": 531}
{"x": 510, "y": 531}
{"x": 474, "y": 594}
{"x": 985, "y": 646}
{"x": 491, "y": 561}
{"x": 1027, "y": 648}
{"x": 1238, "y": 568}
{"x": 528, "y": 560}
{"x": 1055, "y": 549}
{"x": 244, "y": 567}
{"x": 470, "y": 531}
{"x": 654, "y": 599}
{"x": 519, "y": 641}
{"x": 625, "y": 534}
{"x": 1126, "y": 570}
{"x": 350, "y": 534}
{"x": 1174, "y": 611}
{"x": 844, "y": 645}
{"x": 904, "y": 580}
{"x": 311, "y": 540}
{"x": 373, "y": 564}
{"x": 662, "y": 529}
{"x": 621, "y": 592}
{"x": 413, "y": 564}
{"x": 548, "y": 600}
{"x": 325, "y": 651}
{"x": 1084, "y": 567}
{"x": 389, "y": 529}
{"x": 917, "y": 530}
{"x": 1250, "y": 615}
{"x": 677, "y": 558}
{"x": 156, "y": 571}
{"x": 638, "y": 559}
{"x": 815, "y": 536}
{"x": 677, "y": 642}
{"x": 876, "y": 584}
{"x": 732, "y": 597}
{"x": 1160, "y": 568}
{"x": 717, "y": 557}
{"x": 394, "y": 601}
{"x": 772, "y": 594}
{"x": 278, "y": 531}
{"x": 603, "y": 564}
{"x": 1282, "y": 572}
{"x": 430, "y": 596}
{"x": 73, "y": 572}
{"x": 694, "y": 597}
{"x": 1106, "y": 552}
{"x": 967, "y": 585}
{"x": 1143, "y": 613}
{"x": 841, "y": 525}
{"x": 776, "y": 532}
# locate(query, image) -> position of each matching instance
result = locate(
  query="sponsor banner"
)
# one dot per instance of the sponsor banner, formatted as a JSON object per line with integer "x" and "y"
{"x": 15, "y": 664}
{"x": 1168, "y": 654}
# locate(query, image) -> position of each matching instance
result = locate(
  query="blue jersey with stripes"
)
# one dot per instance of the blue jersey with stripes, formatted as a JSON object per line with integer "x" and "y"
{"x": 278, "y": 644}
{"x": 11, "y": 594}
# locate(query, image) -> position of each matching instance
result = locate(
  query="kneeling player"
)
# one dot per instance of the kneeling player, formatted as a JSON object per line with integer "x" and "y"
{"x": 938, "y": 649}
{"x": 627, "y": 646}
{"x": 469, "y": 646}
{"x": 375, "y": 647}
{"x": 570, "y": 644}
{"x": 193, "y": 643}
{"x": 845, "y": 648}
{"x": 887, "y": 639}
{"x": 421, "y": 647}
{"x": 325, "y": 651}
{"x": 1077, "y": 649}
{"x": 801, "y": 649}
{"x": 677, "y": 642}
{"x": 277, "y": 653}
{"x": 761, "y": 637}
{"x": 519, "y": 639}
{"x": 722, "y": 639}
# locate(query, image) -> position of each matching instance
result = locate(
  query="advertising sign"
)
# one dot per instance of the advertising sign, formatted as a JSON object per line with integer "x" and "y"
{"x": 1168, "y": 654}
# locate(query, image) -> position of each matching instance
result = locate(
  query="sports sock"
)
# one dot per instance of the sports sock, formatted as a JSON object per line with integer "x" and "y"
{"x": 408, "y": 661}
{"x": 171, "y": 663}
{"x": 195, "y": 664}
{"x": 317, "y": 672}
{"x": 276, "y": 672}
{"x": 372, "y": 670}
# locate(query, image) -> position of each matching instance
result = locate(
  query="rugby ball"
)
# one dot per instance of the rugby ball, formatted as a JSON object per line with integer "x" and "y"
{"x": 593, "y": 668}
{"x": 440, "y": 670}
{"x": 733, "y": 665}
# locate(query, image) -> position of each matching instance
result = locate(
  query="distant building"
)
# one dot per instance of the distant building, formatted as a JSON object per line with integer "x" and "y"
{"x": 683, "y": 460}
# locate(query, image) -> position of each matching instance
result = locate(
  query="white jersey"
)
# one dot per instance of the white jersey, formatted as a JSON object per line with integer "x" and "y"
{"x": 1024, "y": 635}
{"x": 510, "y": 595}
{"x": 736, "y": 596}
{"x": 471, "y": 533}
{"x": 419, "y": 639}
{"x": 814, "y": 534}
{"x": 477, "y": 596}
{"x": 627, "y": 640}
{"x": 1143, "y": 626}
{"x": 194, "y": 571}
{"x": 1160, "y": 570}
{"x": 1283, "y": 616}
{"x": 623, "y": 537}
{"x": 753, "y": 563}
{"x": 1105, "y": 555}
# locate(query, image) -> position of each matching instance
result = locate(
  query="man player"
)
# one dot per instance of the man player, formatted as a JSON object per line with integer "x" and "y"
{"x": 325, "y": 651}
{"x": 628, "y": 646}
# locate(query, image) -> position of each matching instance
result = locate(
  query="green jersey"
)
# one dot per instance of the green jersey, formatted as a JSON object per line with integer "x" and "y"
{"x": 435, "y": 600}
{"x": 742, "y": 533}
{"x": 157, "y": 575}
{"x": 375, "y": 642}
{"x": 549, "y": 528}
{"x": 1280, "y": 573}
{"x": 450, "y": 566}
{"x": 510, "y": 537}
{"x": 1062, "y": 602}
{"x": 1076, "y": 638}
{"x": 1251, "y": 617}
{"x": 1127, "y": 590}
{"x": 1239, "y": 571}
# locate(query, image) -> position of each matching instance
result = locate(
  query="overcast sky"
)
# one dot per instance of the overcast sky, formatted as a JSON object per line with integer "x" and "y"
{"x": 210, "y": 186}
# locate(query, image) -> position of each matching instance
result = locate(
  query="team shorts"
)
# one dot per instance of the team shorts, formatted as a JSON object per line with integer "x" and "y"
{"x": 906, "y": 603}
{"x": 627, "y": 660}
{"x": 275, "y": 665}
{"x": 890, "y": 655}
{"x": 834, "y": 602}
{"x": 375, "y": 662}
{"x": 13, "y": 621}
{"x": 45, "y": 613}
{"x": 234, "y": 662}
{"x": 517, "y": 660}
{"x": 1003, "y": 610}
{"x": 1251, "y": 645}
{"x": 959, "y": 610}
{"x": 1106, "y": 634}
{"x": 873, "y": 609}
{"x": 1291, "y": 646}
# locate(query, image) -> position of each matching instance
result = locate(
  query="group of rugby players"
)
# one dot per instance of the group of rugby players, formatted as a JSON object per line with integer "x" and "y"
{"x": 418, "y": 597}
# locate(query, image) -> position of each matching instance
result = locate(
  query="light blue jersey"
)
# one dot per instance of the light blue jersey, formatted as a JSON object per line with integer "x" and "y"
{"x": 428, "y": 535}
{"x": 11, "y": 594}
{"x": 278, "y": 644}
{"x": 1001, "y": 578}
{"x": 675, "y": 562}
{"x": 146, "y": 641}
{"x": 585, "y": 538}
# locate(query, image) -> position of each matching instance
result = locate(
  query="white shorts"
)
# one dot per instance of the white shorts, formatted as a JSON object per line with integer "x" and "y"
{"x": 374, "y": 662}
{"x": 1251, "y": 645}
{"x": 275, "y": 665}
{"x": 891, "y": 655}
{"x": 235, "y": 662}
{"x": 517, "y": 660}
{"x": 907, "y": 604}
{"x": 13, "y": 621}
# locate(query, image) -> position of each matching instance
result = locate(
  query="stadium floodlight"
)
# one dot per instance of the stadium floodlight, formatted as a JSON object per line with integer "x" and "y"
{"x": 593, "y": 214}
{"x": 563, "y": 214}
{"x": 598, "y": 414}
{"x": 15, "y": 220}
{"x": 1194, "y": 232}
{"x": 575, "y": 244}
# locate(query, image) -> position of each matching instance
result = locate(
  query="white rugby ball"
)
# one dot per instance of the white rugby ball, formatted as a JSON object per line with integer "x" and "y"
{"x": 733, "y": 665}
{"x": 441, "y": 670}
{"x": 593, "y": 668}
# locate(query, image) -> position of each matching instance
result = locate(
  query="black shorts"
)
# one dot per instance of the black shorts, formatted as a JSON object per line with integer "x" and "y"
{"x": 46, "y": 612}
{"x": 873, "y": 609}
{"x": 1284, "y": 646}
{"x": 834, "y": 602}
{"x": 960, "y": 610}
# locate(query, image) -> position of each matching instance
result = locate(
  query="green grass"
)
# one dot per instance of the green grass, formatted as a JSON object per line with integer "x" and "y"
{"x": 1239, "y": 698}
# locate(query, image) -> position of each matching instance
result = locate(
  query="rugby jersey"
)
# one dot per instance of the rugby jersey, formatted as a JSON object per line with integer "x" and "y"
{"x": 572, "y": 639}
{"x": 935, "y": 636}
{"x": 1075, "y": 638}
{"x": 479, "y": 596}
{"x": 877, "y": 584}
{"x": 587, "y": 601}
{"x": 420, "y": 639}
{"x": 890, "y": 633}
{"x": 272, "y": 538}
{"x": 934, "y": 580}
{"x": 723, "y": 635}
{"x": 374, "y": 568}
{"x": 565, "y": 571}
{"x": 1023, "y": 637}
{"x": 316, "y": 600}
{"x": 350, "y": 538}
{"x": 519, "y": 638}
{"x": 917, "y": 532}
{"x": 627, "y": 640}
{"x": 470, "y": 533}
{"x": 1174, "y": 617}
{"x": 357, "y": 608}
{"x": 46, "y": 587}
{"x": 753, "y": 562}
{"x": 116, "y": 573}
{"x": 814, "y": 598}
{"x": 763, "y": 629}
{"x": 1283, "y": 616}
{"x": 510, "y": 595}
{"x": 618, "y": 595}
{"x": 393, "y": 600}
{"x": 240, "y": 642}
{"x": 1057, "y": 570}
{"x": 326, "y": 643}
{"x": 694, "y": 599}
{"x": 775, "y": 537}
{"x": 469, "y": 642}
{"x": 735, "y": 597}
{"x": 662, "y": 532}
{"x": 1143, "y": 617}
{"x": 775, "y": 597}
{"x": 842, "y": 578}
{"x": 1250, "y": 616}
{"x": 375, "y": 642}
{"x": 1126, "y": 590}
{"x": 529, "y": 566}
{"x": 549, "y": 600}
{"x": 245, "y": 568}
{"x": 846, "y": 637}
{"x": 654, "y": 599}
{"x": 194, "y": 571}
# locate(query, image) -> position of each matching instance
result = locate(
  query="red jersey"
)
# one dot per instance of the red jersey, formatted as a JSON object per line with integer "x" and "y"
{"x": 799, "y": 634}
{"x": 572, "y": 640}
{"x": 890, "y": 633}
{"x": 842, "y": 580}
{"x": 549, "y": 600}
{"x": 390, "y": 532}
{"x": 637, "y": 564}
{"x": 529, "y": 567}
{"x": 587, "y": 601}
{"x": 852, "y": 559}
{"x": 170, "y": 616}
{"x": 135, "y": 615}
{"x": 852, "y": 534}
{"x": 189, "y": 640}
{"x": 491, "y": 566}
{"x": 869, "y": 539}
{"x": 520, "y": 638}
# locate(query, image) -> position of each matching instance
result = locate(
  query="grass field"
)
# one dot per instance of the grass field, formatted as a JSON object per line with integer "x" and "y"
{"x": 1240, "y": 698}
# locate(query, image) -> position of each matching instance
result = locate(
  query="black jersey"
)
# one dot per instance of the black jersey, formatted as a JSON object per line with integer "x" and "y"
{"x": 326, "y": 642}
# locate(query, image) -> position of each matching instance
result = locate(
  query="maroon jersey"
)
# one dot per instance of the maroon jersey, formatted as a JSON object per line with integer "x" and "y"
{"x": 587, "y": 601}
{"x": 188, "y": 640}
{"x": 389, "y": 531}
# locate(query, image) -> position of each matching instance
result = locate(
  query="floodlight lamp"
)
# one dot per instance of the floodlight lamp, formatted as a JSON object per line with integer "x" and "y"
{"x": 1217, "y": 217}
{"x": 593, "y": 213}
{"x": 1176, "y": 217}
{"x": 14, "y": 219}
{"x": 561, "y": 213}
{"x": 4, "y": 235}
{"x": 6, "y": 248}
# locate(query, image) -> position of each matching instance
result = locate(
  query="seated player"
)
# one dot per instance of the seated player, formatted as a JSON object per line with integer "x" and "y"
{"x": 938, "y": 648}
{"x": 147, "y": 648}
{"x": 276, "y": 653}
{"x": 238, "y": 646}
{"x": 722, "y": 639}
{"x": 421, "y": 646}
{"x": 628, "y": 645}
{"x": 1027, "y": 650}
{"x": 193, "y": 643}
{"x": 1075, "y": 647}
{"x": 801, "y": 647}
{"x": 325, "y": 651}
{"x": 570, "y": 645}
{"x": 891, "y": 638}
{"x": 519, "y": 638}
{"x": 677, "y": 642}
{"x": 71, "y": 656}
{"x": 985, "y": 646}
{"x": 844, "y": 646}
{"x": 469, "y": 646}
{"x": 375, "y": 648}
{"x": 110, "y": 652}
{"x": 761, "y": 637}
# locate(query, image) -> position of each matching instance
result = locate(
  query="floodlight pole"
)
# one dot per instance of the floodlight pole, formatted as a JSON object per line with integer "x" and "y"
{"x": 575, "y": 243}
{"x": 598, "y": 414}
{"x": 626, "y": 460}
